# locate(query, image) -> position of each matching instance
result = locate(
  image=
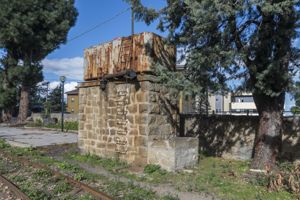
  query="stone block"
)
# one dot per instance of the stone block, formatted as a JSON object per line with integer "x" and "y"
{"x": 88, "y": 126}
{"x": 82, "y": 117}
{"x": 173, "y": 154}
{"x": 111, "y": 123}
{"x": 80, "y": 143}
{"x": 140, "y": 141}
{"x": 132, "y": 108}
{"x": 144, "y": 108}
{"x": 142, "y": 96}
{"x": 101, "y": 145}
{"x": 88, "y": 110}
{"x": 112, "y": 103}
{"x": 133, "y": 132}
{"x": 130, "y": 119}
{"x": 143, "y": 130}
{"x": 141, "y": 119}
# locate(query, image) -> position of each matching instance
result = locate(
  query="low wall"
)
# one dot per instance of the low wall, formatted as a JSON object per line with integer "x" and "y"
{"x": 67, "y": 116}
{"x": 233, "y": 136}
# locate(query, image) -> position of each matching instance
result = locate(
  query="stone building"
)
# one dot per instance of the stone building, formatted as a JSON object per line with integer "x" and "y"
{"x": 72, "y": 101}
{"x": 125, "y": 112}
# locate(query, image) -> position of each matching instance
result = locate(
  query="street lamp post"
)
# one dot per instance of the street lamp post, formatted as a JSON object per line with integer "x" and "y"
{"x": 62, "y": 80}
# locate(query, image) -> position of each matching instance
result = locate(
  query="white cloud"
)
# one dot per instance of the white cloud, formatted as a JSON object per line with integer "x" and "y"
{"x": 68, "y": 86}
{"x": 72, "y": 68}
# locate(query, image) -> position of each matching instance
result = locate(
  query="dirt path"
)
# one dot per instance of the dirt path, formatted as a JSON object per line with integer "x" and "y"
{"x": 160, "y": 189}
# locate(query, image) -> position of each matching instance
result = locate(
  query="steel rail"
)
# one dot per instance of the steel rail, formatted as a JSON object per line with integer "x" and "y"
{"x": 95, "y": 193}
{"x": 11, "y": 186}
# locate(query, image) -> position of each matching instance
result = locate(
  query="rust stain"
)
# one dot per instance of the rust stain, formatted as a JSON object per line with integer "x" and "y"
{"x": 140, "y": 55}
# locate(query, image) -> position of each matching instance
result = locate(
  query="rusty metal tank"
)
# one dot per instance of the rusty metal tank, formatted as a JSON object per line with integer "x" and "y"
{"x": 140, "y": 54}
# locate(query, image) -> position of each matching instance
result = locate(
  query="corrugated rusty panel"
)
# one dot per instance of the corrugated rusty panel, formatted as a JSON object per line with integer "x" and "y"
{"x": 115, "y": 56}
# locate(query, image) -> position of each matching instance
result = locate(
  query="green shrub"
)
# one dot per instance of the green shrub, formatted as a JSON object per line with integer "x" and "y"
{"x": 38, "y": 123}
{"x": 150, "y": 169}
{"x": 67, "y": 126}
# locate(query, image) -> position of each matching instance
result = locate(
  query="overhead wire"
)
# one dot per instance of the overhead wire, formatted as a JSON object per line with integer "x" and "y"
{"x": 99, "y": 25}
{"x": 95, "y": 27}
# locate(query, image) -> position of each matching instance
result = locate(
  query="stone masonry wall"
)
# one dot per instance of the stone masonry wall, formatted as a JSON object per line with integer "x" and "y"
{"x": 233, "y": 136}
{"x": 120, "y": 121}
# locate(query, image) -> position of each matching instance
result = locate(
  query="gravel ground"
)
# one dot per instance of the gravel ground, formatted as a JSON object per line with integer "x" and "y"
{"x": 6, "y": 193}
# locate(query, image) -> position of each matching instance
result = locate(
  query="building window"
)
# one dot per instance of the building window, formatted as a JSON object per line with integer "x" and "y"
{"x": 72, "y": 110}
{"x": 72, "y": 99}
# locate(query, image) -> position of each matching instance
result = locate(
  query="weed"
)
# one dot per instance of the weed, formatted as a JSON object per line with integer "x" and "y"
{"x": 116, "y": 189}
{"x": 62, "y": 187}
{"x": 150, "y": 169}
{"x": 137, "y": 193}
{"x": 34, "y": 193}
{"x": 3, "y": 144}
{"x": 109, "y": 164}
{"x": 86, "y": 197}
{"x": 18, "y": 179}
{"x": 67, "y": 125}
{"x": 80, "y": 176}
{"x": 170, "y": 197}
{"x": 42, "y": 174}
{"x": 67, "y": 166}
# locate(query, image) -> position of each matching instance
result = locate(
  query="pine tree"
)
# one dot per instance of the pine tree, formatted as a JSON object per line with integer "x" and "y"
{"x": 242, "y": 40}
{"x": 30, "y": 30}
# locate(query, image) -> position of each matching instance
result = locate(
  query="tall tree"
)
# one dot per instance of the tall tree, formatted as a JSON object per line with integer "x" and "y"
{"x": 249, "y": 40}
{"x": 32, "y": 29}
{"x": 8, "y": 88}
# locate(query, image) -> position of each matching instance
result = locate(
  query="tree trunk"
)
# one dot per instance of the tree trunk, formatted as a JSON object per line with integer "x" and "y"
{"x": 268, "y": 140}
{"x": 6, "y": 116}
{"x": 24, "y": 104}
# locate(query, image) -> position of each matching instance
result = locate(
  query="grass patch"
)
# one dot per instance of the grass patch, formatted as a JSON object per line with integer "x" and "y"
{"x": 225, "y": 178}
{"x": 154, "y": 169}
{"x": 116, "y": 189}
{"x": 67, "y": 125}
{"x": 62, "y": 187}
{"x": 34, "y": 193}
{"x": 108, "y": 164}
{"x": 42, "y": 174}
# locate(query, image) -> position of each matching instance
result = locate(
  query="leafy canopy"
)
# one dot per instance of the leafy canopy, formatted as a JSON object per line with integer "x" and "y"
{"x": 225, "y": 40}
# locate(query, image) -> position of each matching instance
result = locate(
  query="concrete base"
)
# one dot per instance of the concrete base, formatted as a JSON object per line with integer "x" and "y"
{"x": 174, "y": 154}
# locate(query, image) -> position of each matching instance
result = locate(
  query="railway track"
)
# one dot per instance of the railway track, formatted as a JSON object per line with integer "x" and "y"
{"x": 26, "y": 162}
{"x": 8, "y": 190}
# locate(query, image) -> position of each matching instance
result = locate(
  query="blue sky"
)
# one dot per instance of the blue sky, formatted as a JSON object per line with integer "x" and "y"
{"x": 68, "y": 59}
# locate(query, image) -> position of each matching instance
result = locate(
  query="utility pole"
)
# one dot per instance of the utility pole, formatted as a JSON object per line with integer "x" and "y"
{"x": 132, "y": 21}
{"x": 62, "y": 80}
{"x": 132, "y": 38}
